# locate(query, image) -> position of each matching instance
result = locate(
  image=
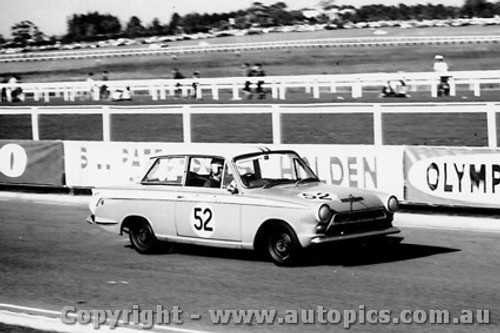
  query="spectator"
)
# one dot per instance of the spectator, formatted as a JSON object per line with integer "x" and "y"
{"x": 395, "y": 88}
{"x": 90, "y": 88}
{"x": 195, "y": 84}
{"x": 441, "y": 68}
{"x": 177, "y": 75}
{"x": 119, "y": 95}
{"x": 259, "y": 71}
{"x": 104, "y": 89}
{"x": 4, "y": 90}
{"x": 14, "y": 92}
{"x": 247, "y": 71}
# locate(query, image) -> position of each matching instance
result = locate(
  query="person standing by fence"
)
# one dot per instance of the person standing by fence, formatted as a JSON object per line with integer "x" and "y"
{"x": 259, "y": 71}
{"x": 441, "y": 68}
{"x": 104, "y": 89}
{"x": 91, "y": 87}
{"x": 195, "y": 84}
{"x": 177, "y": 75}
{"x": 4, "y": 90}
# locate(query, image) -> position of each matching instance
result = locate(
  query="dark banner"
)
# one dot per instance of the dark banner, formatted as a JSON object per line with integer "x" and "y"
{"x": 453, "y": 176}
{"x": 31, "y": 162}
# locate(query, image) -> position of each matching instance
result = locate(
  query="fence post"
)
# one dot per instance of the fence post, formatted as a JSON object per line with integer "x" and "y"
{"x": 35, "y": 131}
{"x": 199, "y": 94}
{"x": 434, "y": 90}
{"x": 106, "y": 124}
{"x": 357, "y": 90}
{"x": 186, "y": 123}
{"x": 316, "y": 89}
{"x": 282, "y": 90}
{"x": 453, "y": 87}
{"x": 276, "y": 122}
{"x": 36, "y": 94}
{"x": 491, "y": 116}
{"x": 477, "y": 88}
{"x": 154, "y": 93}
{"x": 333, "y": 88}
{"x": 378, "y": 138}
{"x": 274, "y": 90}
{"x": 215, "y": 92}
{"x": 236, "y": 95}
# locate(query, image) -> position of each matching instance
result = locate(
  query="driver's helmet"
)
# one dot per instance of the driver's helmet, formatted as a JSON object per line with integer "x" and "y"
{"x": 216, "y": 166}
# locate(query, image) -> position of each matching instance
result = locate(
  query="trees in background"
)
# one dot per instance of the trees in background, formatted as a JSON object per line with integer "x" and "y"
{"x": 95, "y": 26}
{"x": 92, "y": 26}
{"x": 26, "y": 33}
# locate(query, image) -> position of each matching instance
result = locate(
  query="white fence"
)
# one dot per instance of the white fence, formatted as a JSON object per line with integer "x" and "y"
{"x": 276, "y": 111}
{"x": 279, "y": 86}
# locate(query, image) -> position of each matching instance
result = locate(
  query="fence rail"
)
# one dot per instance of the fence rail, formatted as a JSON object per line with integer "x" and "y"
{"x": 276, "y": 111}
{"x": 278, "y": 86}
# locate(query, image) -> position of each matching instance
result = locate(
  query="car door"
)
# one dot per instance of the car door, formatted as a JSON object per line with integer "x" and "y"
{"x": 204, "y": 212}
{"x": 161, "y": 185}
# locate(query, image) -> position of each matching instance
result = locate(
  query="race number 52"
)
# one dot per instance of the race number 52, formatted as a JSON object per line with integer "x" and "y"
{"x": 202, "y": 220}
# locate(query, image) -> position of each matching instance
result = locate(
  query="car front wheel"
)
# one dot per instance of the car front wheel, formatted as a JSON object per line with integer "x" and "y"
{"x": 283, "y": 246}
{"x": 143, "y": 238}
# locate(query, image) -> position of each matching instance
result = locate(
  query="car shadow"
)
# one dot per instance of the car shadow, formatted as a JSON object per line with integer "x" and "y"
{"x": 371, "y": 254}
{"x": 343, "y": 254}
{"x": 204, "y": 251}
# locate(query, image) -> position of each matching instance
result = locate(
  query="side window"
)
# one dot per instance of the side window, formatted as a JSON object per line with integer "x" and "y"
{"x": 166, "y": 171}
{"x": 198, "y": 172}
{"x": 205, "y": 171}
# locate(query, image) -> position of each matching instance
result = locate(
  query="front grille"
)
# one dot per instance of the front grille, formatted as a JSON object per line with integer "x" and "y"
{"x": 360, "y": 216}
{"x": 359, "y": 221}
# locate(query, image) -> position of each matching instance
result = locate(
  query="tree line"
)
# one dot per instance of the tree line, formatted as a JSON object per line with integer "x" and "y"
{"x": 95, "y": 26}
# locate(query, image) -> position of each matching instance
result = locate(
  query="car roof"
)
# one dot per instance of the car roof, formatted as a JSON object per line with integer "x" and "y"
{"x": 225, "y": 151}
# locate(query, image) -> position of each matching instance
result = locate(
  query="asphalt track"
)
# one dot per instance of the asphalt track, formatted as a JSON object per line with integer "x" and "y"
{"x": 50, "y": 258}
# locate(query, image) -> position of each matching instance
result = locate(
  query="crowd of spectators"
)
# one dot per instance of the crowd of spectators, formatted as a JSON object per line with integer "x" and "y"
{"x": 252, "y": 87}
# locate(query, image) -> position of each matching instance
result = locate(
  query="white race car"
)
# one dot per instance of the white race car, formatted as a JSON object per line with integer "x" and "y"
{"x": 261, "y": 200}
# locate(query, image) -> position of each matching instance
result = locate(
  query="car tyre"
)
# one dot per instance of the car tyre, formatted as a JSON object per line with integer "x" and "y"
{"x": 143, "y": 238}
{"x": 283, "y": 246}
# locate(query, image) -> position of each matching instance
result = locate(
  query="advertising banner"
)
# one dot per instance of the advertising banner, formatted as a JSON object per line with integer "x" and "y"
{"x": 453, "y": 176}
{"x": 121, "y": 163}
{"x": 31, "y": 162}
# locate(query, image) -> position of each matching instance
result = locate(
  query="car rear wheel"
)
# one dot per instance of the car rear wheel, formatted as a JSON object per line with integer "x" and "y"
{"x": 143, "y": 238}
{"x": 283, "y": 246}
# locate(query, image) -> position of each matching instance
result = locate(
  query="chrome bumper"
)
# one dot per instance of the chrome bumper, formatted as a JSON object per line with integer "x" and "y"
{"x": 327, "y": 239}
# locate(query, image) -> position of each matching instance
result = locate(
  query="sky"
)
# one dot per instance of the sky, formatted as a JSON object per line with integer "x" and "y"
{"x": 51, "y": 16}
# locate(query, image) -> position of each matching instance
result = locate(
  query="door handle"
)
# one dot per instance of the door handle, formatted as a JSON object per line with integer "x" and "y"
{"x": 180, "y": 197}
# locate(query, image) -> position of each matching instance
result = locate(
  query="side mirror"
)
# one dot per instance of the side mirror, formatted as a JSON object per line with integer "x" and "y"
{"x": 231, "y": 188}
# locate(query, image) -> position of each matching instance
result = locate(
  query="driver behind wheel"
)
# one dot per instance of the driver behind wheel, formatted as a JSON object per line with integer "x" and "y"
{"x": 216, "y": 167}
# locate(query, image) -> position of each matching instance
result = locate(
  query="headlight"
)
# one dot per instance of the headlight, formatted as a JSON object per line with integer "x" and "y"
{"x": 392, "y": 204}
{"x": 324, "y": 213}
